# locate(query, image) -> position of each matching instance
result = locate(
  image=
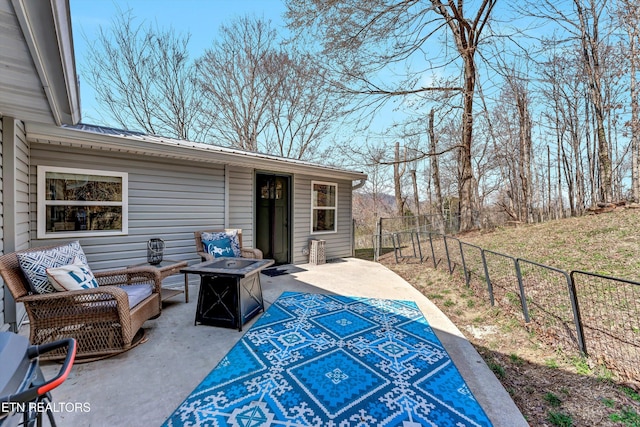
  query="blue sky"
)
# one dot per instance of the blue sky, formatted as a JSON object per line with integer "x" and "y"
{"x": 201, "y": 18}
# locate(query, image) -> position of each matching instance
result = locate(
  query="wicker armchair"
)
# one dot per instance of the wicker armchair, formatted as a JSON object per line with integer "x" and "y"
{"x": 246, "y": 252}
{"x": 99, "y": 319}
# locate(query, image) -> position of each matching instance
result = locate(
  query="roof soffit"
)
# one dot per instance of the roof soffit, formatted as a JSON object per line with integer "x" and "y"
{"x": 46, "y": 26}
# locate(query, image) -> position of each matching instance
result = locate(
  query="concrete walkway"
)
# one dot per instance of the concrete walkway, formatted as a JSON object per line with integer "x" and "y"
{"x": 143, "y": 386}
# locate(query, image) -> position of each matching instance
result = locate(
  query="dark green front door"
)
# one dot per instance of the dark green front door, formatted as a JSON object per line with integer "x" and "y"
{"x": 272, "y": 221}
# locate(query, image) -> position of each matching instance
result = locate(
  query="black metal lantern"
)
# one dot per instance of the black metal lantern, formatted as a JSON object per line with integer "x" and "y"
{"x": 155, "y": 250}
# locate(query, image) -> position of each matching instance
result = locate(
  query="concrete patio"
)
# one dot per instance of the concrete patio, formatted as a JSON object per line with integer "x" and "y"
{"x": 144, "y": 385}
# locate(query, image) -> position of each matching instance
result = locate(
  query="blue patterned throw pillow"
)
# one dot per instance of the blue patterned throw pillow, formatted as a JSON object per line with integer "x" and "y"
{"x": 232, "y": 235}
{"x": 34, "y": 264}
{"x": 219, "y": 247}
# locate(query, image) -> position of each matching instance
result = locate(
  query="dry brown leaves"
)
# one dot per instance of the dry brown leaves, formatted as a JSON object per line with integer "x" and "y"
{"x": 550, "y": 389}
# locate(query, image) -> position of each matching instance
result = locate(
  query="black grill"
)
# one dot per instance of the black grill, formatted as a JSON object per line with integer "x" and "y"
{"x": 24, "y": 391}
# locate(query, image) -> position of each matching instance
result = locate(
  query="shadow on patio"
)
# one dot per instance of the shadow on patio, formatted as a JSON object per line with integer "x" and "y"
{"x": 146, "y": 384}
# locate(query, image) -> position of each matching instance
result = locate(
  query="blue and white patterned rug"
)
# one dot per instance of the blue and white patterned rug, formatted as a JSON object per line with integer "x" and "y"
{"x": 329, "y": 360}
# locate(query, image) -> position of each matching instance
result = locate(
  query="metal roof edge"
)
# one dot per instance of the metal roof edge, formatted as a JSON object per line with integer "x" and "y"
{"x": 179, "y": 149}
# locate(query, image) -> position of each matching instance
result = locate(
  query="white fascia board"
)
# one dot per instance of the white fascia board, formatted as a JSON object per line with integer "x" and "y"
{"x": 62, "y": 19}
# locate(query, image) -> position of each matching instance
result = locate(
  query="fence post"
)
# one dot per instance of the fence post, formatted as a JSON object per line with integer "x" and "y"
{"x": 376, "y": 253}
{"x": 433, "y": 252}
{"x": 467, "y": 275}
{"x": 413, "y": 244}
{"x": 417, "y": 237}
{"x": 396, "y": 246}
{"x": 486, "y": 275}
{"x": 576, "y": 313}
{"x": 446, "y": 249}
{"x": 523, "y": 298}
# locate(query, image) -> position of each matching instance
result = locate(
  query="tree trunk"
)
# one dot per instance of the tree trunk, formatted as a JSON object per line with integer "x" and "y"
{"x": 591, "y": 155}
{"x": 435, "y": 176}
{"x": 549, "y": 183}
{"x": 525, "y": 153}
{"x": 416, "y": 198}
{"x": 570, "y": 182}
{"x": 465, "y": 170}
{"x": 591, "y": 56}
{"x": 579, "y": 186}
{"x": 466, "y": 32}
{"x": 397, "y": 175}
{"x": 560, "y": 202}
{"x": 632, "y": 32}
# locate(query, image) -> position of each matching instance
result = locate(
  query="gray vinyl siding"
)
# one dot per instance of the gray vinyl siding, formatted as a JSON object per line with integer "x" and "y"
{"x": 22, "y": 189}
{"x": 241, "y": 200}
{"x": 337, "y": 245}
{"x": 169, "y": 199}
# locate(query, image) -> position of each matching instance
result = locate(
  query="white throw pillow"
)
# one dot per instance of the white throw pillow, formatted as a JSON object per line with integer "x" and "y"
{"x": 72, "y": 277}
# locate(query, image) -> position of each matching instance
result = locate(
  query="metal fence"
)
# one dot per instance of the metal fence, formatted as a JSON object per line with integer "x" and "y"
{"x": 579, "y": 312}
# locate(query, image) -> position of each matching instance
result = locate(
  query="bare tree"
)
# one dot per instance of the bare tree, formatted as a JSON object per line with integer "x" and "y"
{"x": 629, "y": 18}
{"x": 466, "y": 32}
{"x": 582, "y": 22}
{"x": 232, "y": 78}
{"x": 589, "y": 19}
{"x": 303, "y": 108}
{"x": 142, "y": 76}
{"x": 363, "y": 38}
{"x": 565, "y": 92}
{"x": 263, "y": 95}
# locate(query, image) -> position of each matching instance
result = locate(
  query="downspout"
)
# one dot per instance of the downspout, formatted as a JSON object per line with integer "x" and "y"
{"x": 226, "y": 196}
{"x": 353, "y": 224}
{"x": 10, "y": 244}
{"x": 359, "y": 185}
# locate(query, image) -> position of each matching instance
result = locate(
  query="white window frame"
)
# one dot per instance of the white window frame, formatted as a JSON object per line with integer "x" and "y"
{"x": 315, "y": 208}
{"x": 42, "y": 203}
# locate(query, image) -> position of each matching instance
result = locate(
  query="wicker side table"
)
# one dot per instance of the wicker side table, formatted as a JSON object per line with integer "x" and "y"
{"x": 168, "y": 267}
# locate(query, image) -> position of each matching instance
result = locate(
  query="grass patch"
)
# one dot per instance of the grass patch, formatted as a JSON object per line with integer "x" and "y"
{"x": 516, "y": 360}
{"x": 630, "y": 393}
{"x": 497, "y": 369}
{"x": 628, "y": 417}
{"x": 581, "y": 365}
{"x": 551, "y": 363}
{"x": 560, "y": 419}
{"x": 552, "y": 400}
{"x": 514, "y": 299}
